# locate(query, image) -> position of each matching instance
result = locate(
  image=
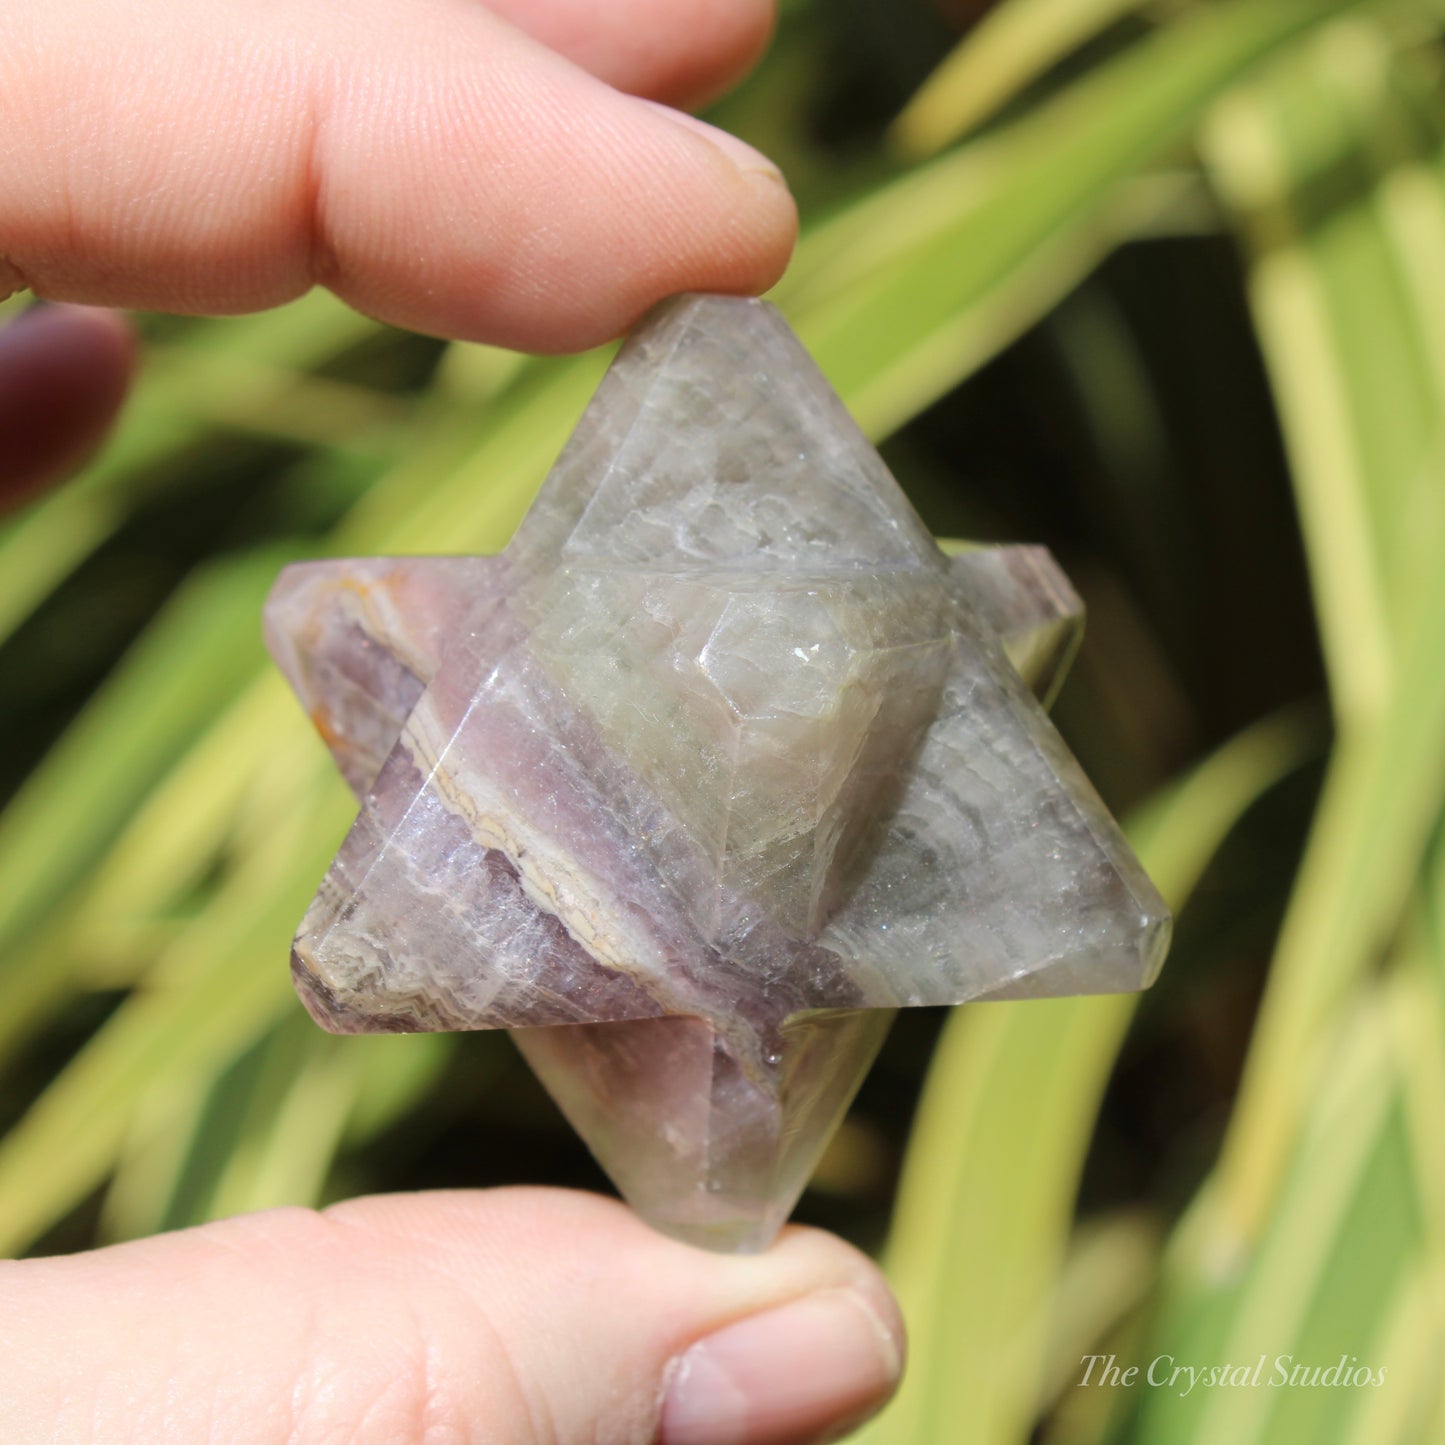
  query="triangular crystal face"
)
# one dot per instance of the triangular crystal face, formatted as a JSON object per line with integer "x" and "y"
{"x": 709, "y": 1142}
{"x": 715, "y": 444}
{"x": 720, "y": 763}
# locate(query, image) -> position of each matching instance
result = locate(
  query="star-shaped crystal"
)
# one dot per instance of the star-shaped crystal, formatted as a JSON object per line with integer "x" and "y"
{"x": 717, "y": 765}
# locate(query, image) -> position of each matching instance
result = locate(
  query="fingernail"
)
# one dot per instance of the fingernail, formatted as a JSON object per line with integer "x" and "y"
{"x": 739, "y": 152}
{"x": 798, "y": 1375}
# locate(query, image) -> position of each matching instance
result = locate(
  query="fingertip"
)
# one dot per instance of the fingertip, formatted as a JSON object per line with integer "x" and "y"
{"x": 64, "y": 373}
{"x": 842, "y": 1264}
{"x": 741, "y": 239}
{"x": 549, "y": 226}
{"x": 801, "y": 1372}
{"x": 713, "y": 214}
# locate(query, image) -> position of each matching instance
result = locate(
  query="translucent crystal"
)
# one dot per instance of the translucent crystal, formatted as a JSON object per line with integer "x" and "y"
{"x": 717, "y": 765}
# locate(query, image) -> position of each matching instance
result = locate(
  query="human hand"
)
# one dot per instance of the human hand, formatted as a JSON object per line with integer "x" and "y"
{"x": 495, "y": 171}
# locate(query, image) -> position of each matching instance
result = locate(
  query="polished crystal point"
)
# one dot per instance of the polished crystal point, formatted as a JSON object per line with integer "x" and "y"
{"x": 717, "y": 765}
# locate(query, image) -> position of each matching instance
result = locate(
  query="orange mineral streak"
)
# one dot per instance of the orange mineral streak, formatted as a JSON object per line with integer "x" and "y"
{"x": 321, "y": 721}
{"x": 393, "y": 586}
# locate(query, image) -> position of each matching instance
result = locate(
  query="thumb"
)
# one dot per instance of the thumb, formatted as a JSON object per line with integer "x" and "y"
{"x": 516, "y": 1317}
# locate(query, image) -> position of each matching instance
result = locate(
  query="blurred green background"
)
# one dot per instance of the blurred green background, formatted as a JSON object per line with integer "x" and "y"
{"x": 1159, "y": 284}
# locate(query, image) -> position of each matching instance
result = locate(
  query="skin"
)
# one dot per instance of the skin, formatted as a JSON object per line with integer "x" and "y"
{"x": 512, "y": 1317}
{"x": 431, "y": 162}
{"x": 498, "y": 172}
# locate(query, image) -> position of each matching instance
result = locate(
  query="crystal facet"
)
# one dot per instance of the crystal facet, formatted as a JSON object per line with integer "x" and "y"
{"x": 717, "y": 765}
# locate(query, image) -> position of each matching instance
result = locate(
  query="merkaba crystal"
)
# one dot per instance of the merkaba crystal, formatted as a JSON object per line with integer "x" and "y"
{"x": 720, "y": 763}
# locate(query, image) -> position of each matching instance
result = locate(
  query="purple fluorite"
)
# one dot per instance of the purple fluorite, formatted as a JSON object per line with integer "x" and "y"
{"x": 717, "y": 765}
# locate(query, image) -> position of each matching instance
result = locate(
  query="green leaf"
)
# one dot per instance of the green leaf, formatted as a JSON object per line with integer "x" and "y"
{"x": 1010, "y": 47}
{"x": 897, "y": 329}
{"x": 1386, "y": 783}
{"x": 1342, "y": 1240}
{"x": 213, "y": 991}
{"x": 981, "y": 1224}
{"x": 200, "y": 651}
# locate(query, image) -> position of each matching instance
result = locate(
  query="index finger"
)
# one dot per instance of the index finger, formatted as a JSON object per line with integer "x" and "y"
{"x": 429, "y": 163}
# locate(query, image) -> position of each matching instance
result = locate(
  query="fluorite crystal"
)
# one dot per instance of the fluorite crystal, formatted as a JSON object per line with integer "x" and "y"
{"x": 717, "y": 765}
